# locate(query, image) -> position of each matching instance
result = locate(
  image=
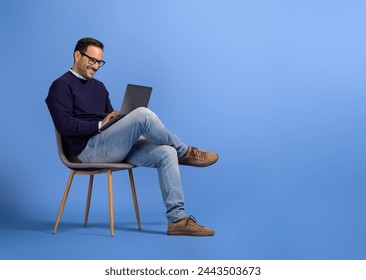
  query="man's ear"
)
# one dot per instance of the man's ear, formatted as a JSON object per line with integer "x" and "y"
{"x": 77, "y": 56}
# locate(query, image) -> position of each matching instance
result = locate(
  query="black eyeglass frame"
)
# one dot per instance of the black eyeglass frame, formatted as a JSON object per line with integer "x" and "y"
{"x": 93, "y": 60}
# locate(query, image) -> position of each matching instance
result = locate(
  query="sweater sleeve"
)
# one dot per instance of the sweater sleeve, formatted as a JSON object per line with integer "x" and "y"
{"x": 60, "y": 105}
{"x": 109, "y": 107}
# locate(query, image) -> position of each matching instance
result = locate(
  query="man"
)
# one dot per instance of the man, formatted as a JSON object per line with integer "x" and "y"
{"x": 80, "y": 106}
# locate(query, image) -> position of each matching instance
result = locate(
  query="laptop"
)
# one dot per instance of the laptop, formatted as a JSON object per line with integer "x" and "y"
{"x": 135, "y": 96}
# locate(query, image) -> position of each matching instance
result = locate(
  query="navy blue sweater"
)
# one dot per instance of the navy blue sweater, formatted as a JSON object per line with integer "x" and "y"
{"x": 76, "y": 107}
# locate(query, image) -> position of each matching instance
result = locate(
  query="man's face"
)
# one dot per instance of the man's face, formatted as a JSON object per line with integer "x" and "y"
{"x": 83, "y": 65}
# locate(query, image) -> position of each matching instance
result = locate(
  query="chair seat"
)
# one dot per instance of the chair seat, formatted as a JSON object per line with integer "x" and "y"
{"x": 99, "y": 166}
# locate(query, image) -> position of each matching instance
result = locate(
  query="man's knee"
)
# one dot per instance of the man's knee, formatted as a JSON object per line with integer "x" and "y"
{"x": 143, "y": 115}
{"x": 168, "y": 153}
{"x": 144, "y": 112}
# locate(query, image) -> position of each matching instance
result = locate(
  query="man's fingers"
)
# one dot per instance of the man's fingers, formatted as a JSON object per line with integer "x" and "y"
{"x": 114, "y": 113}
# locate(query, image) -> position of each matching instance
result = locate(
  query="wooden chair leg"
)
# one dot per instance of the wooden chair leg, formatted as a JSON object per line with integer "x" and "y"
{"x": 134, "y": 197}
{"x": 63, "y": 202}
{"x": 110, "y": 194}
{"x": 90, "y": 189}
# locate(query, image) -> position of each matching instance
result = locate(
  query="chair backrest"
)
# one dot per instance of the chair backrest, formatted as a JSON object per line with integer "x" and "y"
{"x": 66, "y": 158}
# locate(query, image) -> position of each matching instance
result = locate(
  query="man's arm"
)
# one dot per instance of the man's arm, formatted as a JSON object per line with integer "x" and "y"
{"x": 60, "y": 105}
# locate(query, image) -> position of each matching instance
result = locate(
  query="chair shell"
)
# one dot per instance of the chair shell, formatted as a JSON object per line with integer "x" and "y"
{"x": 91, "y": 169}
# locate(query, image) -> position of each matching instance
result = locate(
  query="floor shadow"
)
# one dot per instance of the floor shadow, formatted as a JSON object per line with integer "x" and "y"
{"x": 132, "y": 227}
{"x": 46, "y": 227}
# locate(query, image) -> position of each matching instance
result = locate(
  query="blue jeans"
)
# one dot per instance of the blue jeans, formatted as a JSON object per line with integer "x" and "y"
{"x": 142, "y": 140}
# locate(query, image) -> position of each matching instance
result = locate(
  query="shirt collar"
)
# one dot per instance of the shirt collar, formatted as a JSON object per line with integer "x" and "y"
{"x": 77, "y": 74}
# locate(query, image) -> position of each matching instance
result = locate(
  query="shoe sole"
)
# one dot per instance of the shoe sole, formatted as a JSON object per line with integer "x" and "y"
{"x": 184, "y": 233}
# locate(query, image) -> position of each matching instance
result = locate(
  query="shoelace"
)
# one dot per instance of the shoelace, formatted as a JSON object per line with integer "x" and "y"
{"x": 192, "y": 219}
{"x": 198, "y": 154}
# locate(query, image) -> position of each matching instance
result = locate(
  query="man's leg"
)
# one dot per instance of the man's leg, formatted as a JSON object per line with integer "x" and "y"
{"x": 113, "y": 144}
{"x": 164, "y": 159}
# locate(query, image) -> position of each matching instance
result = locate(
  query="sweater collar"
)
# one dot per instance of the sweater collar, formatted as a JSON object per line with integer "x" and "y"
{"x": 77, "y": 74}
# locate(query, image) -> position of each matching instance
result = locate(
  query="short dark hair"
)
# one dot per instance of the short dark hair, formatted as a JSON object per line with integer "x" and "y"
{"x": 83, "y": 44}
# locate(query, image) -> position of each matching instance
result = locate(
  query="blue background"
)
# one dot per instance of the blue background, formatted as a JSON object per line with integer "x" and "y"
{"x": 277, "y": 88}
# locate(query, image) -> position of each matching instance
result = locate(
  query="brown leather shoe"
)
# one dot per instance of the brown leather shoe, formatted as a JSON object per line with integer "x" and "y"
{"x": 188, "y": 226}
{"x": 198, "y": 158}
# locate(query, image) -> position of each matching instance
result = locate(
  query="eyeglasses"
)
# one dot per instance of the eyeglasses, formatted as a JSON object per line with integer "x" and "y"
{"x": 93, "y": 60}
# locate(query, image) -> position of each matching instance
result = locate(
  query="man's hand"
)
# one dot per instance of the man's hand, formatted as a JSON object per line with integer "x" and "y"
{"x": 109, "y": 116}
